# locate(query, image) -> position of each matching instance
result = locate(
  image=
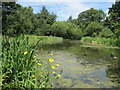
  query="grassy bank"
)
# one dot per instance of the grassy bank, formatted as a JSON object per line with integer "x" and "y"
{"x": 100, "y": 41}
{"x": 44, "y": 40}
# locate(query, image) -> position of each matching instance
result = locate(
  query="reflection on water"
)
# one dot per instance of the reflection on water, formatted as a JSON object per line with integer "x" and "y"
{"x": 86, "y": 67}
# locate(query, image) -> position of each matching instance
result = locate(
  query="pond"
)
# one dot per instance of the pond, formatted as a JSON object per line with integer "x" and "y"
{"x": 85, "y": 67}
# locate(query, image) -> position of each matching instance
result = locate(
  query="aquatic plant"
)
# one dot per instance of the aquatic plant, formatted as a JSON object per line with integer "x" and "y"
{"x": 22, "y": 68}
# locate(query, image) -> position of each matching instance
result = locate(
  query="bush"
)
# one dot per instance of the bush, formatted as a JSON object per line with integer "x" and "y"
{"x": 106, "y": 33}
{"x": 103, "y": 41}
{"x": 93, "y": 27}
{"x": 88, "y": 39}
{"x": 66, "y": 30}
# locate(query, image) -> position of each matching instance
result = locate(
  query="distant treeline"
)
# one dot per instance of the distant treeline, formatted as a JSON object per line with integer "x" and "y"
{"x": 94, "y": 23}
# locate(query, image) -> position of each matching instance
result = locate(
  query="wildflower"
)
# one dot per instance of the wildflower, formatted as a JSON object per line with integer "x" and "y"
{"x": 51, "y": 54}
{"x": 51, "y": 60}
{"x": 59, "y": 75}
{"x": 33, "y": 75}
{"x": 25, "y": 52}
{"x": 57, "y": 65}
{"x": 53, "y": 67}
{"x": 39, "y": 64}
{"x": 53, "y": 72}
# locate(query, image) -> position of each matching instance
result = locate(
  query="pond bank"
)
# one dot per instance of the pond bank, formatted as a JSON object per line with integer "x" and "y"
{"x": 104, "y": 42}
{"x": 44, "y": 40}
{"x": 97, "y": 45}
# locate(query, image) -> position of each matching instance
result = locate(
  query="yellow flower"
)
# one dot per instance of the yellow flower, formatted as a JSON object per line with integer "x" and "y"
{"x": 58, "y": 75}
{"x": 57, "y": 65}
{"x": 53, "y": 72}
{"x": 33, "y": 75}
{"x": 53, "y": 67}
{"x": 51, "y": 60}
{"x": 39, "y": 64}
{"x": 25, "y": 52}
{"x": 51, "y": 54}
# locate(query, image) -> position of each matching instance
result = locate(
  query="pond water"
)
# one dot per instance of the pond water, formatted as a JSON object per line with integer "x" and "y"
{"x": 85, "y": 67}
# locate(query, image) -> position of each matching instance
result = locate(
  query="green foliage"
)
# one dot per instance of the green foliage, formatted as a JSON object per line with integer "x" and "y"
{"x": 106, "y": 32}
{"x": 22, "y": 68}
{"x": 114, "y": 18}
{"x": 118, "y": 41}
{"x": 103, "y": 41}
{"x": 21, "y": 20}
{"x": 66, "y": 30}
{"x": 17, "y": 63}
{"x": 90, "y": 21}
{"x": 17, "y": 19}
{"x": 93, "y": 27}
{"x": 8, "y": 11}
{"x": 89, "y": 16}
{"x": 88, "y": 39}
{"x": 44, "y": 21}
{"x": 44, "y": 40}
{"x": 92, "y": 15}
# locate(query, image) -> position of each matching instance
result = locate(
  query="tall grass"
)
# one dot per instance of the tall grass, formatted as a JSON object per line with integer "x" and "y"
{"x": 20, "y": 66}
{"x": 44, "y": 40}
{"x": 99, "y": 40}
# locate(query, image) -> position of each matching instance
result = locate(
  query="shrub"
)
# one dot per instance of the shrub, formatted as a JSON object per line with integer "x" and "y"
{"x": 103, "y": 41}
{"x": 66, "y": 30}
{"x": 93, "y": 27}
{"x": 106, "y": 33}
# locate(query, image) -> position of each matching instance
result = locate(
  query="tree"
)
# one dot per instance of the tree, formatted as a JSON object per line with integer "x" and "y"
{"x": 9, "y": 10}
{"x": 17, "y": 19}
{"x": 44, "y": 20}
{"x": 92, "y": 15}
{"x": 0, "y": 17}
{"x": 70, "y": 19}
{"x": 114, "y": 18}
{"x": 88, "y": 16}
{"x": 93, "y": 27}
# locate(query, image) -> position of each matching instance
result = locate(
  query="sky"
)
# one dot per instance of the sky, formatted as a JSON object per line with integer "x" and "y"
{"x": 65, "y": 8}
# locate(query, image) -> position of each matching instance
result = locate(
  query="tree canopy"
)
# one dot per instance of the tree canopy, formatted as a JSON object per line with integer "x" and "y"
{"x": 18, "y": 20}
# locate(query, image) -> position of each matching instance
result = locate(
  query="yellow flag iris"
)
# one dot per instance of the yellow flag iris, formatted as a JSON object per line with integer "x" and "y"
{"x": 51, "y": 60}
{"x": 25, "y": 52}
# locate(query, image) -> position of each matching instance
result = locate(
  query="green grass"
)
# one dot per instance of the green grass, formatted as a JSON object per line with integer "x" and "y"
{"x": 44, "y": 40}
{"x": 99, "y": 40}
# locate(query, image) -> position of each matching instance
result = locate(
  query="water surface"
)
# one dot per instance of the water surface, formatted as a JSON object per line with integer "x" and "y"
{"x": 85, "y": 67}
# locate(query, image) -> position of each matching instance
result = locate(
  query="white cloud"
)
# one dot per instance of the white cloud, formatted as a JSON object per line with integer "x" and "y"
{"x": 63, "y": 8}
{"x": 74, "y": 9}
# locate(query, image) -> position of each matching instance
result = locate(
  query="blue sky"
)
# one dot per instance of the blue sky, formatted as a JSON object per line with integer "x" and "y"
{"x": 64, "y": 8}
